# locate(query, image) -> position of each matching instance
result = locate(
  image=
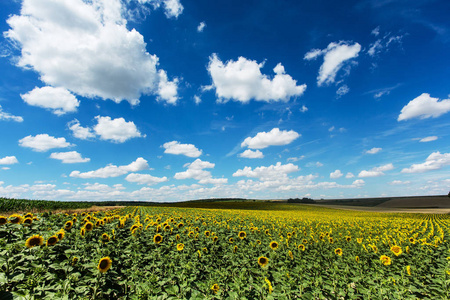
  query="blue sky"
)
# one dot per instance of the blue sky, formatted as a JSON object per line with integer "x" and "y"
{"x": 170, "y": 100}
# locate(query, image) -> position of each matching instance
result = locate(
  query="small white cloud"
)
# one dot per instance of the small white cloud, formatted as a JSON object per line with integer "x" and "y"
{"x": 116, "y": 130}
{"x": 303, "y": 109}
{"x": 335, "y": 56}
{"x": 112, "y": 170}
{"x": 374, "y": 150}
{"x": 173, "y": 8}
{"x": 57, "y": 99}
{"x": 145, "y": 179}
{"x": 275, "y": 137}
{"x": 8, "y": 160}
{"x": 9, "y": 117}
{"x": 197, "y": 99}
{"x": 376, "y": 31}
{"x": 336, "y": 174}
{"x": 428, "y": 139}
{"x": 6, "y": 168}
{"x": 43, "y": 142}
{"x": 167, "y": 90}
{"x": 195, "y": 170}
{"x": 342, "y": 91}
{"x": 201, "y": 26}
{"x": 176, "y": 148}
{"x": 79, "y": 131}
{"x": 377, "y": 171}
{"x": 399, "y": 182}
{"x": 331, "y": 129}
{"x": 358, "y": 183}
{"x": 70, "y": 157}
{"x": 349, "y": 175}
{"x": 251, "y": 154}
{"x": 424, "y": 107}
{"x": 294, "y": 159}
{"x": 434, "y": 161}
{"x": 242, "y": 81}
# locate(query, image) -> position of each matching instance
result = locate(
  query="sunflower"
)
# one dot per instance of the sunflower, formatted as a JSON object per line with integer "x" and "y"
{"x": 263, "y": 261}
{"x": 83, "y": 231}
{"x": 15, "y": 219}
{"x": 273, "y": 245}
{"x": 267, "y": 232}
{"x": 338, "y": 251}
{"x": 89, "y": 226}
{"x": 60, "y": 234}
{"x": 28, "y": 221}
{"x": 177, "y": 237}
{"x": 412, "y": 240}
{"x": 34, "y": 240}
{"x": 215, "y": 238}
{"x": 374, "y": 248}
{"x": 407, "y": 249}
{"x": 74, "y": 260}
{"x": 301, "y": 247}
{"x": 52, "y": 240}
{"x": 68, "y": 225}
{"x": 305, "y": 241}
{"x": 3, "y": 220}
{"x": 258, "y": 242}
{"x": 105, "y": 238}
{"x": 408, "y": 269}
{"x": 357, "y": 258}
{"x": 231, "y": 240}
{"x": 242, "y": 234}
{"x": 235, "y": 249}
{"x": 207, "y": 233}
{"x": 157, "y": 239}
{"x": 331, "y": 240}
{"x": 359, "y": 240}
{"x": 180, "y": 246}
{"x": 180, "y": 225}
{"x": 269, "y": 285}
{"x": 215, "y": 288}
{"x": 104, "y": 264}
{"x": 28, "y": 215}
{"x": 290, "y": 254}
{"x": 385, "y": 260}
{"x": 167, "y": 227}
{"x": 397, "y": 250}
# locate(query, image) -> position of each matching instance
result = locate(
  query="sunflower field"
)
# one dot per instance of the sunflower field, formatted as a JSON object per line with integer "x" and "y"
{"x": 278, "y": 251}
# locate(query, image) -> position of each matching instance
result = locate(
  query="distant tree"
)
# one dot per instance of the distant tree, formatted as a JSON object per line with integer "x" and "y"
{"x": 449, "y": 194}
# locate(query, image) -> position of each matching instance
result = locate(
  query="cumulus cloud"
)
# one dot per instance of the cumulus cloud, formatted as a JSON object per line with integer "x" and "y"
{"x": 116, "y": 130}
{"x": 70, "y": 157}
{"x": 144, "y": 179}
{"x": 195, "y": 170}
{"x": 57, "y": 99}
{"x": 335, "y": 56}
{"x": 424, "y": 107}
{"x": 79, "y": 131}
{"x": 43, "y": 142}
{"x": 8, "y": 160}
{"x": 399, "y": 182}
{"x": 112, "y": 170}
{"x": 86, "y": 48}
{"x": 428, "y": 139}
{"x": 377, "y": 171}
{"x": 434, "y": 161}
{"x": 242, "y": 81}
{"x": 9, "y": 117}
{"x": 167, "y": 90}
{"x": 267, "y": 173}
{"x": 251, "y": 154}
{"x": 349, "y": 175}
{"x": 176, "y": 148}
{"x": 374, "y": 150}
{"x": 275, "y": 137}
{"x": 201, "y": 26}
{"x": 336, "y": 174}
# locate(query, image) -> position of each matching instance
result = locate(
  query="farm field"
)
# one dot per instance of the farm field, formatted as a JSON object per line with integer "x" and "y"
{"x": 244, "y": 250}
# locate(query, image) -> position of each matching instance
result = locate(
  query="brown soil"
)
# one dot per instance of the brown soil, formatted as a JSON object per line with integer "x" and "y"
{"x": 69, "y": 211}
{"x": 418, "y": 202}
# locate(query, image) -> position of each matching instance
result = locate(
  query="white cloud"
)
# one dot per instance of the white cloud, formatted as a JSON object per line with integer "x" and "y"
{"x": 144, "y": 179}
{"x": 434, "y": 161}
{"x": 269, "y": 173}
{"x": 9, "y": 117}
{"x": 294, "y": 159}
{"x": 86, "y": 48}
{"x": 201, "y": 26}
{"x": 167, "y": 90}
{"x": 70, "y": 157}
{"x": 349, "y": 175}
{"x": 242, "y": 81}
{"x": 374, "y": 150}
{"x": 176, "y": 148}
{"x": 195, "y": 170}
{"x": 342, "y": 91}
{"x": 303, "y": 109}
{"x": 376, "y": 31}
{"x": 79, "y": 131}
{"x": 383, "y": 44}
{"x": 336, "y": 174}
{"x": 116, "y": 130}
{"x": 335, "y": 56}
{"x": 428, "y": 139}
{"x": 58, "y": 99}
{"x": 8, "y": 160}
{"x": 399, "y": 182}
{"x": 275, "y": 137}
{"x": 251, "y": 154}
{"x": 43, "y": 142}
{"x": 424, "y": 107}
{"x": 197, "y": 99}
{"x": 112, "y": 170}
{"x": 358, "y": 183}
{"x": 314, "y": 164}
{"x": 377, "y": 171}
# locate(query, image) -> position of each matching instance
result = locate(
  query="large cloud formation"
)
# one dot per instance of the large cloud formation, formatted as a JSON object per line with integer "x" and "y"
{"x": 424, "y": 107}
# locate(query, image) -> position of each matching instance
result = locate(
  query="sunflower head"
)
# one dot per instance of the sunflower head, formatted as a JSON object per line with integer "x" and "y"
{"x": 412, "y": 240}
{"x": 397, "y": 250}
{"x": 348, "y": 238}
{"x": 35, "y": 240}
{"x": 52, "y": 240}
{"x": 15, "y": 219}
{"x": 60, "y": 234}
{"x": 3, "y": 220}
{"x": 215, "y": 288}
{"x": 408, "y": 269}
{"x": 28, "y": 221}
{"x": 207, "y": 233}
{"x": 74, "y": 260}
{"x": 215, "y": 238}
{"x": 338, "y": 251}
{"x": 235, "y": 249}
{"x": 290, "y": 254}
{"x": 359, "y": 240}
{"x": 104, "y": 264}
{"x": 28, "y": 215}
{"x": 180, "y": 246}
{"x": 89, "y": 226}
{"x": 180, "y": 225}
{"x": 242, "y": 234}
{"x": 273, "y": 245}
{"x": 68, "y": 225}
{"x": 357, "y": 258}
{"x": 385, "y": 260}
{"x": 231, "y": 240}
{"x": 374, "y": 248}
{"x": 301, "y": 247}
{"x": 157, "y": 239}
{"x": 105, "y": 238}
{"x": 83, "y": 231}
{"x": 263, "y": 261}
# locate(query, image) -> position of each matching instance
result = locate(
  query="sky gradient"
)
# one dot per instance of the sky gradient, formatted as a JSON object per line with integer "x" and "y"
{"x": 172, "y": 100}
